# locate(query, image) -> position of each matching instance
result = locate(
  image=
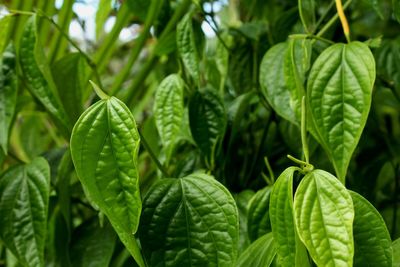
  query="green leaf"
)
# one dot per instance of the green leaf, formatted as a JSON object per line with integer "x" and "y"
{"x": 372, "y": 243}
{"x": 4, "y": 25}
{"x": 396, "y": 252}
{"x": 93, "y": 245}
{"x": 24, "y": 195}
{"x": 261, "y": 253}
{"x": 307, "y": 14}
{"x": 104, "y": 148}
{"x": 169, "y": 111}
{"x": 8, "y": 94}
{"x": 191, "y": 221}
{"x": 139, "y": 8}
{"x": 37, "y": 74}
{"x": 70, "y": 89}
{"x": 339, "y": 98}
{"x": 207, "y": 119}
{"x": 396, "y": 9}
{"x": 273, "y": 85}
{"x": 258, "y": 220}
{"x": 324, "y": 216}
{"x": 186, "y": 44}
{"x": 242, "y": 200}
{"x": 281, "y": 215}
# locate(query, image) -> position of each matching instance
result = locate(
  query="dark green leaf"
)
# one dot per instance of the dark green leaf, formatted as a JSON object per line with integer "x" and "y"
{"x": 37, "y": 74}
{"x": 24, "y": 195}
{"x": 191, "y": 221}
{"x": 169, "y": 111}
{"x": 242, "y": 200}
{"x": 324, "y": 216}
{"x": 261, "y": 253}
{"x": 372, "y": 243}
{"x": 139, "y": 7}
{"x": 339, "y": 96}
{"x": 258, "y": 220}
{"x": 104, "y": 148}
{"x": 396, "y": 9}
{"x": 207, "y": 120}
{"x": 8, "y": 94}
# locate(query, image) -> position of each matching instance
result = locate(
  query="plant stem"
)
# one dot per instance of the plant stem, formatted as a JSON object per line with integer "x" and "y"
{"x": 304, "y": 130}
{"x": 322, "y": 18}
{"x": 310, "y": 36}
{"x": 332, "y": 20}
{"x": 152, "y": 155}
{"x": 270, "y": 172}
{"x": 343, "y": 19}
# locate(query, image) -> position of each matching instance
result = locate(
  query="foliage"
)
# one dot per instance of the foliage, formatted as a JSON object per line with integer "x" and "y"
{"x": 162, "y": 150}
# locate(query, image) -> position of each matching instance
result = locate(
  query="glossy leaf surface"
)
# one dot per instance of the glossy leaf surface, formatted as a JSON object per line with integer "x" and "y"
{"x": 281, "y": 214}
{"x": 372, "y": 243}
{"x": 24, "y": 199}
{"x": 258, "y": 219}
{"x": 104, "y": 148}
{"x": 186, "y": 44}
{"x": 37, "y": 73}
{"x": 261, "y": 253}
{"x": 191, "y": 221}
{"x": 324, "y": 216}
{"x": 8, "y": 94}
{"x": 169, "y": 111}
{"x": 339, "y": 95}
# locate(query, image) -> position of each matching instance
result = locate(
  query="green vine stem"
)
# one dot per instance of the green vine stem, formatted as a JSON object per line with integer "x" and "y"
{"x": 304, "y": 130}
{"x": 332, "y": 20}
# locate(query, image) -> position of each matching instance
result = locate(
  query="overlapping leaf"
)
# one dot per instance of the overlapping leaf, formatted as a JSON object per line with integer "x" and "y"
{"x": 258, "y": 218}
{"x": 260, "y": 253}
{"x": 339, "y": 96}
{"x": 191, "y": 221}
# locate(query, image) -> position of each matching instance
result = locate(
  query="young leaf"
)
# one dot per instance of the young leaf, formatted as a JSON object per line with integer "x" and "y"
{"x": 169, "y": 110}
{"x": 186, "y": 44}
{"x": 261, "y": 253}
{"x": 93, "y": 245}
{"x": 191, "y": 221}
{"x": 372, "y": 243}
{"x": 258, "y": 220}
{"x": 37, "y": 73}
{"x": 8, "y": 94}
{"x": 339, "y": 96}
{"x": 281, "y": 214}
{"x": 324, "y": 215}
{"x": 24, "y": 195}
{"x": 104, "y": 148}
{"x": 207, "y": 120}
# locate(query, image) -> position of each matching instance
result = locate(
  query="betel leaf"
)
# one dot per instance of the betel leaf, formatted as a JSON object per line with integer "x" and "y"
{"x": 372, "y": 243}
{"x": 24, "y": 198}
{"x": 207, "y": 119}
{"x": 396, "y": 252}
{"x": 8, "y": 94}
{"x": 258, "y": 220}
{"x": 324, "y": 216}
{"x": 191, "y": 221}
{"x": 282, "y": 221}
{"x": 169, "y": 111}
{"x": 261, "y": 253}
{"x": 339, "y": 98}
{"x": 92, "y": 244}
{"x": 104, "y": 148}
{"x": 37, "y": 73}
{"x": 185, "y": 41}
{"x": 68, "y": 73}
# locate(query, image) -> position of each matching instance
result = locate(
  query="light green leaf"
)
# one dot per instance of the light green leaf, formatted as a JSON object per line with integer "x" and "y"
{"x": 281, "y": 215}
{"x": 187, "y": 46}
{"x": 68, "y": 73}
{"x": 24, "y": 199}
{"x": 169, "y": 111}
{"x": 339, "y": 98}
{"x": 92, "y": 244}
{"x": 8, "y": 94}
{"x": 372, "y": 243}
{"x": 104, "y": 148}
{"x": 307, "y": 14}
{"x": 4, "y": 22}
{"x": 324, "y": 216}
{"x": 396, "y": 252}
{"x": 37, "y": 74}
{"x": 261, "y": 253}
{"x": 191, "y": 221}
{"x": 258, "y": 220}
{"x": 207, "y": 120}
